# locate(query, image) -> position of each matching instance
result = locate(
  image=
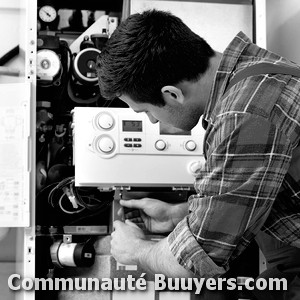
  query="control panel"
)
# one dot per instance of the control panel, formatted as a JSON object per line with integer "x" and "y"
{"x": 118, "y": 147}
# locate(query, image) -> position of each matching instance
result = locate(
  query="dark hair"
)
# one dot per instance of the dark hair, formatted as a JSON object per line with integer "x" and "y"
{"x": 148, "y": 51}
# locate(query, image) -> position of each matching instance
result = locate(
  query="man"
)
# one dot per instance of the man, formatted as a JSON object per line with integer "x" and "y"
{"x": 249, "y": 182}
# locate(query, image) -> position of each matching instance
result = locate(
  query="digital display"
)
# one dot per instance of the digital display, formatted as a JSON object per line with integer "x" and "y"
{"x": 132, "y": 126}
{"x": 169, "y": 130}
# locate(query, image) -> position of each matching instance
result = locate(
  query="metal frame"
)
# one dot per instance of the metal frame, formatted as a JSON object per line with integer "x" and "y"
{"x": 26, "y": 236}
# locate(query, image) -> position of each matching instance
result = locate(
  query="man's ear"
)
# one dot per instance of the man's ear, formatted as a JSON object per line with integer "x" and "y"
{"x": 172, "y": 93}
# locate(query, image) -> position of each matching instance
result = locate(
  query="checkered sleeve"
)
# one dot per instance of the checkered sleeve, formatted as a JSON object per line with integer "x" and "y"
{"x": 247, "y": 159}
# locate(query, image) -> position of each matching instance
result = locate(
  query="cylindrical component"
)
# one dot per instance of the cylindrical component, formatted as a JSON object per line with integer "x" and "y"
{"x": 85, "y": 66}
{"x": 72, "y": 254}
{"x": 48, "y": 65}
{"x": 66, "y": 254}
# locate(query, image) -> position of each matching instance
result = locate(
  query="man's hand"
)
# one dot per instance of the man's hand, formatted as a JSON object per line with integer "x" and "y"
{"x": 126, "y": 242}
{"x": 158, "y": 216}
{"x": 129, "y": 247}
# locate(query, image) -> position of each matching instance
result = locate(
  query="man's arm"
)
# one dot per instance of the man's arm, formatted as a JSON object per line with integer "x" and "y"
{"x": 130, "y": 246}
{"x": 247, "y": 159}
{"x": 156, "y": 257}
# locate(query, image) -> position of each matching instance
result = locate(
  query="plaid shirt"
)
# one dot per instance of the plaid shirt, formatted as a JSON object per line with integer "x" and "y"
{"x": 251, "y": 178}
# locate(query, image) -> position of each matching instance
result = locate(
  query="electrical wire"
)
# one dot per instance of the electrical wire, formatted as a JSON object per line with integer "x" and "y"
{"x": 58, "y": 188}
{"x": 83, "y": 198}
{"x": 99, "y": 211}
{"x": 65, "y": 210}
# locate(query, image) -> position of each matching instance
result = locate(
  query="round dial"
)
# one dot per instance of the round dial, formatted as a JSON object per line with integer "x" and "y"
{"x": 106, "y": 144}
{"x": 47, "y": 13}
{"x": 104, "y": 121}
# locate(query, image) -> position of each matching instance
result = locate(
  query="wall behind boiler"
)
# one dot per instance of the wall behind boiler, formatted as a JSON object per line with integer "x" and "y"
{"x": 283, "y": 28}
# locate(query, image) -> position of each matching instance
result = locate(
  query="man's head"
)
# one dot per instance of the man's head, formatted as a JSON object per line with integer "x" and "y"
{"x": 149, "y": 54}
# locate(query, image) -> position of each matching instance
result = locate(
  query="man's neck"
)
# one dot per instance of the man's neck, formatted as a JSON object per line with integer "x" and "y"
{"x": 197, "y": 93}
{"x": 205, "y": 83}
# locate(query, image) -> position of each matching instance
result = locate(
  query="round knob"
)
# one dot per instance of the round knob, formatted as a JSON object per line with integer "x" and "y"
{"x": 190, "y": 145}
{"x": 160, "y": 145}
{"x": 195, "y": 166}
{"x": 105, "y": 144}
{"x": 105, "y": 121}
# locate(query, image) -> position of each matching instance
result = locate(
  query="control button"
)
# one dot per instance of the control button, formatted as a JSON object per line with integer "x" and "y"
{"x": 190, "y": 145}
{"x": 137, "y": 140}
{"x": 128, "y": 139}
{"x": 105, "y": 121}
{"x": 137, "y": 145}
{"x": 106, "y": 144}
{"x": 160, "y": 145}
{"x": 127, "y": 145}
{"x": 195, "y": 166}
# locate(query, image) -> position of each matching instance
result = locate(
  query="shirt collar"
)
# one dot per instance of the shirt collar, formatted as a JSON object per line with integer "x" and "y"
{"x": 227, "y": 64}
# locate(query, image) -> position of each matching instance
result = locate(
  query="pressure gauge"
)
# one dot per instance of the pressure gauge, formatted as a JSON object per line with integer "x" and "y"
{"x": 47, "y": 13}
